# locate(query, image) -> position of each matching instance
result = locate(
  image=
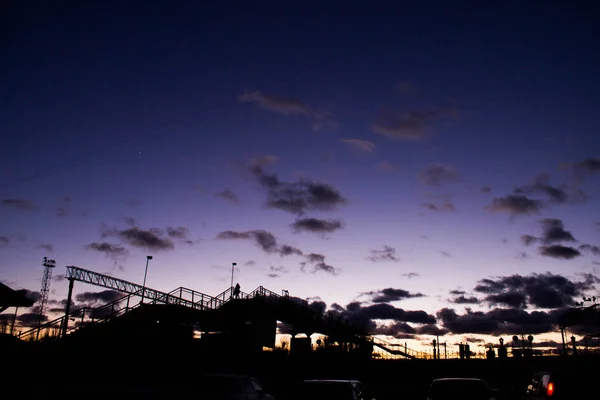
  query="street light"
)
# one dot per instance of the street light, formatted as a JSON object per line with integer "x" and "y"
{"x": 148, "y": 258}
{"x": 232, "y": 267}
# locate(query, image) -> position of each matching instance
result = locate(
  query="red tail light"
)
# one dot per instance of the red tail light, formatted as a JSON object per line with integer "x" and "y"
{"x": 550, "y": 390}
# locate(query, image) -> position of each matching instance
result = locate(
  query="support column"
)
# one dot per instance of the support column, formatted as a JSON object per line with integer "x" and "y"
{"x": 65, "y": 323}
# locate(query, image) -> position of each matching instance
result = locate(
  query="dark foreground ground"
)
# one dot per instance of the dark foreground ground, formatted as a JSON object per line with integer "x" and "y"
{"x": 134, "y": 372}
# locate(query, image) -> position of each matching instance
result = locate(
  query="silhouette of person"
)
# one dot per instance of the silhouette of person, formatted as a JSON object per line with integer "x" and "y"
{"x": 236, "y": 291}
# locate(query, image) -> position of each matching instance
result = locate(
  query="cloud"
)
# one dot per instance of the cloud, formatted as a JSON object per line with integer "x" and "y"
{"x": 462, "y": 299}
{"x": 20, "y": 204}
{"x": 559, "y": 251}
{"x": 386, "y": 166}
{"x": 151, "y": 239}
{"x": 390, "y": 294}
{"x": 595, "y": 250}
{"x": 275, "y": 272}
{"x": 528, "y": 239}
{"x": 515, "y": 205}
{"x": 446, "y": 206}
{"x": 229, "y": 196}
{"x": 486, "y": 189}
{"x": 405, "y": 87}
{"x": 553, "y": 231}
{"x": 496, "y": 322}
{"x": 180, "y": 233}
{"x": 300, "y": 196}
{"x": 437, "y": 174}
{"x": 411, "y": 126}
{"x": 316, "y": 225}
{"x": 4, "y": 240}
{"x": 98, "y": 298}
{"x": 536, "y": 290}
{"x": 318, "y": 118}
{"x": 411, "y": 275}
{"x": 269, "y": 244}
{"x": 64, "y": 210}
{"x": 115, "y": 252}
{"x": 46, "y": 246}
{"x": 586, "y": 167}
{"x": 542, "y": 186}
{"x": 264, "y": 160}
{"x": 360, "y": 144}
{"x": 386, "y": 254}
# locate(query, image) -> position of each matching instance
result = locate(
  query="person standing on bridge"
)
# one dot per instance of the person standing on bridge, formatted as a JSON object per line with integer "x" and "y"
{"x": 236, "y": 291}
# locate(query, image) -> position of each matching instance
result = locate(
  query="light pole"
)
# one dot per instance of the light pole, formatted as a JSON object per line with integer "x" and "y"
{"x": 148, "y": 258}
{"x": 232, "y": 268}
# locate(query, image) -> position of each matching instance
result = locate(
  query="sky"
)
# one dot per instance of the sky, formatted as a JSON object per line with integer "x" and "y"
{"x": 421, "y": 168}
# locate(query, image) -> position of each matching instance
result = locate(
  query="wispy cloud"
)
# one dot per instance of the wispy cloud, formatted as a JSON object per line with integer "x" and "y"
{"x": 363, "y": 145}
{"x": 411, "y": 126}
{"x": 387, "y": 253}
{"x": 228, "y": 195}
{"x": 318, "y": 118}
{"x": 515, "y": 205}
{"x": 20, "y": 204}
{"x": 437, "y": 174}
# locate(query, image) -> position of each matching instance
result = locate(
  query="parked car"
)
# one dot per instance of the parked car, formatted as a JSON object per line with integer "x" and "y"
{"x": 230, "y": 387}
{"x": 566, "y": 383}
{"x": 460, "y": 388}
{"x": 330, "y": 389}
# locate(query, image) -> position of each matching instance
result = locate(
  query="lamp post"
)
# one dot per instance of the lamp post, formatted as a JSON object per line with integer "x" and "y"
{"x": 148, "y": 258}
{"x": 232, "y": 268}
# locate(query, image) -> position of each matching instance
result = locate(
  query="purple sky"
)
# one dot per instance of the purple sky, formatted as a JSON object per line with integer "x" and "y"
{"x": 416, "y": 158}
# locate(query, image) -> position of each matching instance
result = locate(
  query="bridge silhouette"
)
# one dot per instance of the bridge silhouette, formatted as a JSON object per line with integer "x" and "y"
{"x": 249, "y": 316}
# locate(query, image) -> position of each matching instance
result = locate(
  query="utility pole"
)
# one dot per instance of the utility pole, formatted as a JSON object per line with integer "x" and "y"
{"x": 232, "y": 268}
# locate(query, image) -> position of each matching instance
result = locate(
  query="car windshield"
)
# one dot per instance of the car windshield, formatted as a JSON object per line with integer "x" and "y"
{"x": 326, "y": 390}
{"x": 454, "y": 389}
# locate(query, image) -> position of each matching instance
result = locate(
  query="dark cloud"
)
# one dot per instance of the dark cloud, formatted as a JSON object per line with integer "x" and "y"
{"x": 411, "y": 126}
{"x": 275, "y": 272}
{"x": 462, "y": 299}
{"x": 553, "y": 231}
{"x": 437, "y": 174}
{"x": 445, "y": 253}
{"x": 363, "y": 145}
{"x": 269, "y": 244}
{"x": 528, "y": 239}
{"x": 536, "y": 290}
{"x": 542, "y": 186}
{"x": 496, "y": 322}
{"x": 229, "y": 196}
{"x": 20, "y": 204}
{"x": 300, "y": 196}
{"x": 46, "y": 246}
{"x": 318, "y": 264}
{"x": 180, "y": 233}
{"x": 364, "y": 317}
{"x": 264, "y": 160}
{"x": 559, "y": 251}
{"x": 486, "y": 189}
{"x": 318, "y": 118}
{"x": 316, "y": 225}
{"x": 4, "y": 240}
{"x": 390, "y": 294}
{"x": 595, "y": 250}
{"x": 515, "y": 205}
{"x": 446, "y": 206}
{"x": 113, "y": 251}
{"x": 96, "y": 298}
{"x": 411, "y": 275}
{"x": 586, "y": 167}
{"x": 386, "y": 254}
{"x": 151, "y": 239}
